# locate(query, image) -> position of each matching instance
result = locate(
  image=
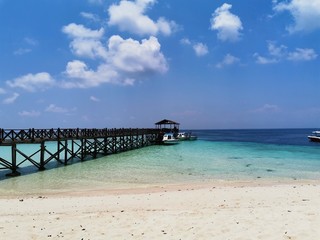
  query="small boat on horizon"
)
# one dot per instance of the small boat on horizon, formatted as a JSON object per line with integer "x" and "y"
{"x": 315, "y": 137}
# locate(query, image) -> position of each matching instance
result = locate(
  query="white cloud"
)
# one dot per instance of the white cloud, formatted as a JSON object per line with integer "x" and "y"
{"x": 301, "y": 54}
{"x": 185, "y": 41}
{"x": 131, "y": 56}
{"x": 200, "y": 49}
{"x": 227, "y": 60}
{"x": 264, "y": 60}
{"x": 86, "y": 42}
{"x": 126, "y": 59}
{"x": 90, "y": 16}
{"x": 88, "y": 48}
{"x": 55, "y": 109}
{"x": 33, "y": 82}
{"x": 130, "y": 16}
{"x": 280, "y": 53}
{"x": 227, "y": 24}
{"x": 79, "y": 31}
{"x": 11, "y": 99}
{"x": 306, "y": 14}
{"x": 2, "y": 91}
{"x": 32, "y": 113}
{"x": 80, "y": 76}
{"x": 94, "y": 99}
{"x": 277, "y": 51}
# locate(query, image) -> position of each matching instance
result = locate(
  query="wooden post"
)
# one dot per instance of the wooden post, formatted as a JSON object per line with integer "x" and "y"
{"x": 42, "y": 152}
{"x": 95, "y": 148}
{"x": 14, "y": 172}
{"x": 82, "y": 149}
{"x": 105, "y": 143}
{"x": 66, "y": 152}
{"x": 2, "y": 135}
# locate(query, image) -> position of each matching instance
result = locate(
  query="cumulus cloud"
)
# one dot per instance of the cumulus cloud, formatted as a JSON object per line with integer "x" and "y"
{"x": 85, "y": 42}
{"x": 131, "y": 56}
{"x": 130, "y": 16}
{"x": 200, "y": 49}
{"x": 11, "y": 99}
{"x": 126, "y": 59}
{"x": 227, "y": 24}
{"x": 81, "y": 76}
{"x": 121, "y": 60}
{"x": 32, "y": 82}
{"x": 227, "y": 60}
{"x": 281, "y": 53}
{"x": 306, "y": 14}
{"x": 88, "y": 48}
{"x": 79, "y": 31}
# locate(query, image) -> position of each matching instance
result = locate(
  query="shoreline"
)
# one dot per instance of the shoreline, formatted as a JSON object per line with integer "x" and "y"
{"x": 158, "y": 187}
{"x": 191, "y": 211}
{"x": 138, "y": 188}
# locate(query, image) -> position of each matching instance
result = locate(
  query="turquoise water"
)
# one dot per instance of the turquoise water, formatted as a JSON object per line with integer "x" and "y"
{"x": 207, "y": 159}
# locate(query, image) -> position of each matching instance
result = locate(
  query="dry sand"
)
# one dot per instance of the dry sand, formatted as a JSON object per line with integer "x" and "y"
{"x": 205, "y": 211}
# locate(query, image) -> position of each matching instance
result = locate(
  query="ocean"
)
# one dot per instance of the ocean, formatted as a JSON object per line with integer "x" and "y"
{"x": 217, "y": 155}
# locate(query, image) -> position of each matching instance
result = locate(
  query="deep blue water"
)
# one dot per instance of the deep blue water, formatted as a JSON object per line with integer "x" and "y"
{"x": 264, "y": 136}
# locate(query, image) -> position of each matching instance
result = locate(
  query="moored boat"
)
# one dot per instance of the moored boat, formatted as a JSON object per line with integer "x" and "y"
{"x": 182, "y": 136}
{"x": 315, "y": 136}
{"x": 168, "y": 139}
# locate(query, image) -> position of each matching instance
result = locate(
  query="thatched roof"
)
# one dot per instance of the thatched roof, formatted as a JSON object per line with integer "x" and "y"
{"x": 166, "y": 121}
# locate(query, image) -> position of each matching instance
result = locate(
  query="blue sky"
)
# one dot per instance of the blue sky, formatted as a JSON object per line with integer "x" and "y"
{"x": 206, "y": 64}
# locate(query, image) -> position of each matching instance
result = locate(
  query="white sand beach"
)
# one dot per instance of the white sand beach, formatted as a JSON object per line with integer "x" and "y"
{"x": 199, "y": 211}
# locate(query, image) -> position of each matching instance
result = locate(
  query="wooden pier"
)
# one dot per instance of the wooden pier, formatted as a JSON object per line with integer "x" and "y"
{"x": 80, "y": 144}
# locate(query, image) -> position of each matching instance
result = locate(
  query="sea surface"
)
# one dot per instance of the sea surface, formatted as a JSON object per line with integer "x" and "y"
{"x": 217, "y": 155}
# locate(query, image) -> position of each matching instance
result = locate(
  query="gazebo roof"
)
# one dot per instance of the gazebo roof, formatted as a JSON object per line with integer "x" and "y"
{"x": 166, "y": 121}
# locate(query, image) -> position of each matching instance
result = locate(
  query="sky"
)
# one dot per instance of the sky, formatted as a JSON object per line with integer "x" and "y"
{"x": 115, "y": 63}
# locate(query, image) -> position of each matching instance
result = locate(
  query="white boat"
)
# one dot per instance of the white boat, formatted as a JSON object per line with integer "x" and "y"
{"x": 182, "y": 136}
{"x": 168, "y": 138}
{"x": 315, "y": 137}
{"x": 186, "y": 136}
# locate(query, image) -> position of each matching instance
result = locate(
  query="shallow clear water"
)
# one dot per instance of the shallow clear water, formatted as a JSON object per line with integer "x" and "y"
{"x": 216, "y": 155}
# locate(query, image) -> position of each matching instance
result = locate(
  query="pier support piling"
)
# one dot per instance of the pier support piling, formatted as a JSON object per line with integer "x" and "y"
{"x": 78, "y": 144}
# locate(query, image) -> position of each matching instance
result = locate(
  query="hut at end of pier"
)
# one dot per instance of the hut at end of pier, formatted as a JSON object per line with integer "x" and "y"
{"x": 168, "y": 126}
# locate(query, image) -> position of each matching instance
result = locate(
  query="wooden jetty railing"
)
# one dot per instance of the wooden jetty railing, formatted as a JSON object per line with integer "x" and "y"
{"x": 70, "y": 144}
